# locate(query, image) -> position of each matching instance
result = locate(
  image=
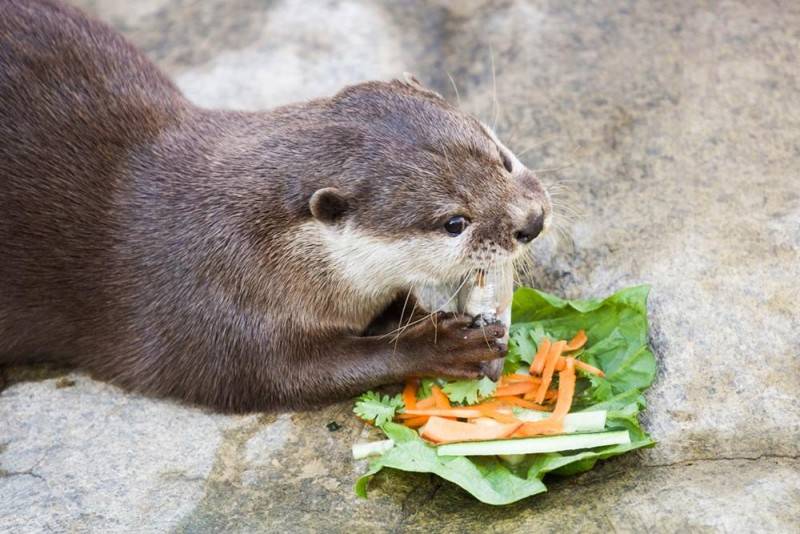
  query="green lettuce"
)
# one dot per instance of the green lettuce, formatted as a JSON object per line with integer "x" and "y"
{"x": 616, "y": 328}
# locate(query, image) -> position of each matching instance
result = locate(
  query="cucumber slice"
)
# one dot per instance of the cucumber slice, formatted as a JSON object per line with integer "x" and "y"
{"x": 564, "y": 442}
{"x": 372, "y": 448}
{"x": 573, "y": 422}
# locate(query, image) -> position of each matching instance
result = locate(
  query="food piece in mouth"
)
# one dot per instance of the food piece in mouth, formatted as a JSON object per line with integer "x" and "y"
{"x": 485, "y": 296}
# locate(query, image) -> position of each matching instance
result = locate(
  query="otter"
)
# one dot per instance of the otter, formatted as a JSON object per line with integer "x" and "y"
{"x": 237, "y": 260}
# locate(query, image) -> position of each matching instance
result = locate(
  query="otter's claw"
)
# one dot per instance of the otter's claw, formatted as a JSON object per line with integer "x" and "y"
{"x": 449, "y": 346}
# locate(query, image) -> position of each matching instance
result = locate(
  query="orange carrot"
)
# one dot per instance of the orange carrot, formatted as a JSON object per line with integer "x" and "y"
{"x": 547, "y": 375}
{"x": 515, "y": 389}
{"x": 456, "y": 413}
{"x": 416, "y": 422}
{"x": 439, "y": 397}
{"x": 410, "y": 394}
{"x": 539, "y": 428}
{"x": 489, "y": 403}
{"x": 494, "y": 412}
{"x": 427, "y": 402}
{"x": 515, "y": 378}
{"x": 440, "y": 430}
{"x": 566, "y": 389}
{"x": 541, "y": 356}
{"x": 550, "y": 396}
{"x": 576, "y": 342}
{"x": 522, "y": 403}
{"x": 583, "y": 366}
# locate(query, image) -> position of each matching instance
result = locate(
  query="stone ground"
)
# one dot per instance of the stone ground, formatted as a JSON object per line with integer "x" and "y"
{"x": 674, "y": 129}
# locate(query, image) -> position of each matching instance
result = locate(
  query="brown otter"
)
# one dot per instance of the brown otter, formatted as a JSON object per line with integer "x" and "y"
{"x": 231, "y": 259}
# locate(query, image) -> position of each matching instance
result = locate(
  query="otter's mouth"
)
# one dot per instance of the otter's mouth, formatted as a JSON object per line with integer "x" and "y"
{"x": 483, "y": 295}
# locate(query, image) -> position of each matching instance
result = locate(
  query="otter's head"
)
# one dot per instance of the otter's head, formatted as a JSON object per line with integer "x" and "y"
{"x": 426, "y": 194}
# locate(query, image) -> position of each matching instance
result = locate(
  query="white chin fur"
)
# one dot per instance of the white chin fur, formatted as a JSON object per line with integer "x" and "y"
{"x": 371, "y": 264}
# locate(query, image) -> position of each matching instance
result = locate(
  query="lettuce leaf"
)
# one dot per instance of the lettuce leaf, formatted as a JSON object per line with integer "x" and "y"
{"x": 617, "y": 330}
{"x": 487, "y": 478}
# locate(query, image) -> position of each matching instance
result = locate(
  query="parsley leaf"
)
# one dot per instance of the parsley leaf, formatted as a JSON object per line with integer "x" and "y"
{"x": 425, "y": 388}
{"x": 468, "y": 391}
{"x": 376, "y": 409}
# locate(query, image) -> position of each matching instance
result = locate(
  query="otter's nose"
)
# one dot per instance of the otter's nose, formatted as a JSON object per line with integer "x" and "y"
{"x": 533, "y": 227}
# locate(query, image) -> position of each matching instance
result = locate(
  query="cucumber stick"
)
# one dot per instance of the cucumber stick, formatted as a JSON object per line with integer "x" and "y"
{"x": 564, "y": 442}
{"x": 573, "y": 422}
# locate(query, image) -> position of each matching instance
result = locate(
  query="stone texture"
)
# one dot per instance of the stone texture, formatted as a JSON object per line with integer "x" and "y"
{"x": 671, "y": 134}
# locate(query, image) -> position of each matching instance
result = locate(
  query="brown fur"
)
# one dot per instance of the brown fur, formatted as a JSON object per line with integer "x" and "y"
{"x": 155, "y": 243}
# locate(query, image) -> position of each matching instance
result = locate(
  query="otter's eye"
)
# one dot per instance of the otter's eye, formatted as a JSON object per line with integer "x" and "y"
{"x": 506, "y": 161}
{"x": 456, "y": 225}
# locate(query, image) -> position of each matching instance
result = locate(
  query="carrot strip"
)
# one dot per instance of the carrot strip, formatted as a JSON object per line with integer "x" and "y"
{"x": 500, "y": 417}
{"x": 440, "y": 398}
{"x": 522, "y": 403}
{"x": 416, "y": 422}
{"x": 427, "y": 402}
{"x": 547, "y": 375}
{"x": 515, "y": 389}
{"x": 484, "y": 421}
{"x": 551, "y": 395}
{"x": 440, "y": 430}
{"x": 493, "y": 403}
{"x": 566, "y": 390}
{"x": 515, "y": 378}
{"x": 541, "y": 356}
{"x": 576, "y": 342}
{"x": 457, "y": 413}
{"x": 539, "y": 428}
{"x": 583, "y": 366}
{"x": 410, "y": 394}
{"x": 494, "y": 413}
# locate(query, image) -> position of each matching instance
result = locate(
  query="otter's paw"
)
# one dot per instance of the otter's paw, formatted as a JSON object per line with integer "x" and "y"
{"x": 450, "y": 346}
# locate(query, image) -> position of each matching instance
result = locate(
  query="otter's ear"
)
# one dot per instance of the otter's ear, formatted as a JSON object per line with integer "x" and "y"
{"x": 412, "y": 80}
{"x": 328, "y": 204}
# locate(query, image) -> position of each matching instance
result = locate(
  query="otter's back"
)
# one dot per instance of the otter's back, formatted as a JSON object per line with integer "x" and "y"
{"x": 75, "y": 100}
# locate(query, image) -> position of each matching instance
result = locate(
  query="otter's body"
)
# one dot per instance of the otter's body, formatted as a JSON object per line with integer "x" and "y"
{"x": 229, "y": 259}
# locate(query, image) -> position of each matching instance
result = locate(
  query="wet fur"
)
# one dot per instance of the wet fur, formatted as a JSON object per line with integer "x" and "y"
{"x": 172, "y": 249}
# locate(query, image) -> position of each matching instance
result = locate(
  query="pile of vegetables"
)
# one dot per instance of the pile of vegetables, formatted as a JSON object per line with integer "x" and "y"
{"x": 570, "y": 395}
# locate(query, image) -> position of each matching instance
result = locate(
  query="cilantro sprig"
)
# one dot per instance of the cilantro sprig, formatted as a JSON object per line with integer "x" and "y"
{"x": 377, "y": 409}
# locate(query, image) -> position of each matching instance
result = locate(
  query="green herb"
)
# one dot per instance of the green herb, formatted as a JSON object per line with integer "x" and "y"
{"x": 425, "y": 384}
{"x": 376, "y": 409}
{"x": 469, "y": 391}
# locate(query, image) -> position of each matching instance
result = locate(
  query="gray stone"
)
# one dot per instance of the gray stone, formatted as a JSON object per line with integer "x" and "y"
{"x": 671, "y": 135}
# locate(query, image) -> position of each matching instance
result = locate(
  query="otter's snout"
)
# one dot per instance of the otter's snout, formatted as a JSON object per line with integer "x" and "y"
{"x": 532, "y": 228}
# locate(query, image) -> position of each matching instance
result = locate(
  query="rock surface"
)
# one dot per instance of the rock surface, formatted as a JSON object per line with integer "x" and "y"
{"x": 671, "y": 133}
